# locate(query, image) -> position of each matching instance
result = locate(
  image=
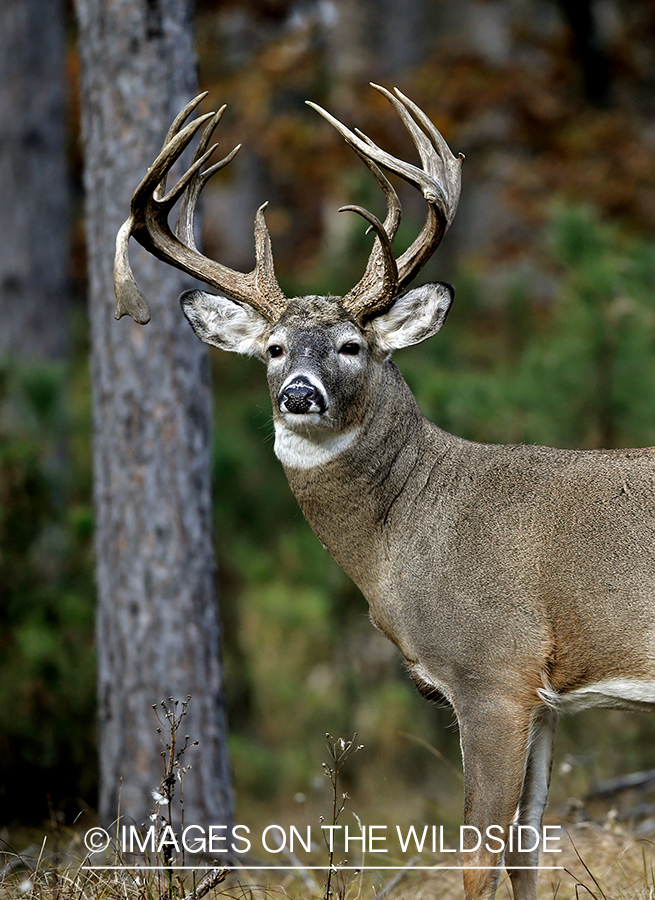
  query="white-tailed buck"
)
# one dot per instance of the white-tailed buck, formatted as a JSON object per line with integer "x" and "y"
{"x": 517, "y": 581}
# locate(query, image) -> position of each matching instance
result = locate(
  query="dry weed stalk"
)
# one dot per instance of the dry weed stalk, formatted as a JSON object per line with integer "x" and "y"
{"x": 339, "y": 750}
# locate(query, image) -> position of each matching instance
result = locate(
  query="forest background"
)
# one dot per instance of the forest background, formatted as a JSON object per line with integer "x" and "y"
{"x": 551, "y": 340}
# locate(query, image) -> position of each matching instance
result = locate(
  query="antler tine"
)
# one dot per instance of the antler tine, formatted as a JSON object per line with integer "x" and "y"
{"x": 440, "y": 178}
{"x": 184, "y": 227}
{"x": 175, "y": 127}
{"x": 439, "y": 181}
{"x": 382, "y": 269}
{"x": 182, "y": 116}
{"x": 448, "y": 166}
{"x": 129, "y": 299}
{"x": 440, "y": 189}
{"x": 394, "y": 211}
{"x": 148, "y": 223}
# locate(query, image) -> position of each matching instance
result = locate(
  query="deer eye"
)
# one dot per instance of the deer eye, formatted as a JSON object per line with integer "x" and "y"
{"x": 350, "y": 348}
{"x": 275, "y": 350}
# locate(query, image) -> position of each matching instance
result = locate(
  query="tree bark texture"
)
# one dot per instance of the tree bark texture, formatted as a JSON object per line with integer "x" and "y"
{"x": 157, "y": 622}
{"x": 34, "y": 212}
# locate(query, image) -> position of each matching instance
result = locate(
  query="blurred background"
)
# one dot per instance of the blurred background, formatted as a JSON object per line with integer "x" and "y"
{"x": 551, "y": 340}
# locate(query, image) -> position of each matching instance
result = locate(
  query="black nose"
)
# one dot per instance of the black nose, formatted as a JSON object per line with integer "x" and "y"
{"x": 301, "y": 396}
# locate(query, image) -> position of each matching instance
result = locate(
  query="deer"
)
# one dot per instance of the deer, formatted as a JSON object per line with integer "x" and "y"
{"x": 517, "y": 582}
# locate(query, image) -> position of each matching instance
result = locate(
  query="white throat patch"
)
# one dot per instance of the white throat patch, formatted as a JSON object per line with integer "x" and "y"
{"x": 300, "y": 451}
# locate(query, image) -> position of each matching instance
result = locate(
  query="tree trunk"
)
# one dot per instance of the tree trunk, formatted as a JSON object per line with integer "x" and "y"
{"x": 157, "y": 623}
{"x": 35, "y": 246}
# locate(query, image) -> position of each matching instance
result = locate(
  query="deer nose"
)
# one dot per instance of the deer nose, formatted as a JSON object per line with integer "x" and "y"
{"x": 301, "y": 396}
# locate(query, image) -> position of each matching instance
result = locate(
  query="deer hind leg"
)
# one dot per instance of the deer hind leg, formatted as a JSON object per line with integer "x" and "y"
{"x": 496, "y": 736}
{"x": 532, "y": 804}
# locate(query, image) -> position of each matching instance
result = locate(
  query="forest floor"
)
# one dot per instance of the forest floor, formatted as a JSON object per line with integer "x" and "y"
{"x": 604, "y": 862}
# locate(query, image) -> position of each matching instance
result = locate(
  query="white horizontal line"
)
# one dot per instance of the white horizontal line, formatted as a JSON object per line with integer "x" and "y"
{"x": 306, "y": 868}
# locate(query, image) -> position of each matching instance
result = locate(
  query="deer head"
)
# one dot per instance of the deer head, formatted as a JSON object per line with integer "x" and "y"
{"x": 320, "y": 351}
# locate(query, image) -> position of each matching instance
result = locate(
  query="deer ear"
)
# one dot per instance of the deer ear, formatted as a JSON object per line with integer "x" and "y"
{"x": 224, "y": 323}
{"x": 414, "y": 317}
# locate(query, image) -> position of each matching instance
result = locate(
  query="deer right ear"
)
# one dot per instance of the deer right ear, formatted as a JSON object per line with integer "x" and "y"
{"x": 224, "y": 323}
{"x": 414, "y": 317}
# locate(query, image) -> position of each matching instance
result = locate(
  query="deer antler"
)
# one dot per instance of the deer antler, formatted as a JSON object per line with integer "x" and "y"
{"x": 148, "y": 223}
{"x": 384, "y": 277}
{"x": 439, "y": 181}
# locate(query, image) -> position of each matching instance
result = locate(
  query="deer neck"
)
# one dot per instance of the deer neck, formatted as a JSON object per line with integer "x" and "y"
{"x": 348, "y": 484}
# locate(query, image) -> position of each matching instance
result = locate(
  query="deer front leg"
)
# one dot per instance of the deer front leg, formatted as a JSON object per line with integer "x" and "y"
{"x": 533, "y": 803}
{"x": 495, "y": 738}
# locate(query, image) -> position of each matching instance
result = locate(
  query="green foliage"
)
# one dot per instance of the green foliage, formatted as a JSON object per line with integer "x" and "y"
{"x": 580, "y": 376}
{"x": 47, "y": 670}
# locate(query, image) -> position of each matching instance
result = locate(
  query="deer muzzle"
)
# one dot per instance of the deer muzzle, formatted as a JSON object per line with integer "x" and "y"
{"x": 300, "y": 396}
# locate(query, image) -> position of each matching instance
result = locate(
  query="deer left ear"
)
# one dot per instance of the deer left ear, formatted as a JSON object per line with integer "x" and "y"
{"x": 224, "y": 323}
{"x": 414, "y": 317}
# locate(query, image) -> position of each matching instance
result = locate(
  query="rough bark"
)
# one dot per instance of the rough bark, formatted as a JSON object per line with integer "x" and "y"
{"x": 35, "y": 249}
{"x": 157, "y": 624}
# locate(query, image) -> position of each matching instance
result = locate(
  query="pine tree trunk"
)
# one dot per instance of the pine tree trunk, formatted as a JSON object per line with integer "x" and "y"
{"x": 157, "y": 624}
{"x": 35, "y": 246}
